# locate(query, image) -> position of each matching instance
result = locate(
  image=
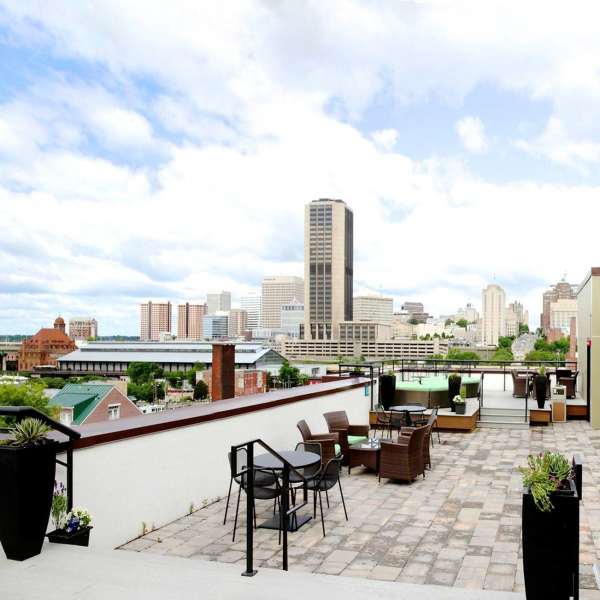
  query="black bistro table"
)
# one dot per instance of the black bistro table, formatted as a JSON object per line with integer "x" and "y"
{"x": 408, "y": 409}
{"x": 299, "y": 460}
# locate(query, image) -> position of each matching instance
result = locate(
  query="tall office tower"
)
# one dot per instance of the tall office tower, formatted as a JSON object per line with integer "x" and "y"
{"x": 238, "y": 322}
{"x": 493, "y": 314}
{"x": 251, "y": 304}
{"x": 278, "y": 290}
{"x": 377, "y": 309}
{"x": 155, "y": 318}
{"x": 83, "y": 328}
{"x": 292, "y": 317}
{"x": 218, "y": 302}
{"x": 328, "y": 268}
{"x": 189, "y": 321}
{"x": 511, "y": 321}
{"x": 561, "y": 291}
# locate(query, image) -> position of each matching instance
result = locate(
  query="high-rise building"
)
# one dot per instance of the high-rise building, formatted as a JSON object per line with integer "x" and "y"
{"x": 215, "y": 327}
{"x": 292, "y": 317}
{"x": 328, "y": 268}
{"x": 155, "y": 318}
{"x": 469, "y": 313}
{"x": 562, "y": 290}
{"x": 278, "y": 290}
{"x": 251, "y": 304}
{"x": 511, "y": 321}
{"x": 238, "y": 322}
{"x": 189, "y": 321}
{"x": 218, "y": 302}
{"x": 415, "y": 311}
{"x": 83, "y": 328}
{"x": 493, "y": 314}
{"x": 561, "y": 313}
{"x": 376, "y": 309}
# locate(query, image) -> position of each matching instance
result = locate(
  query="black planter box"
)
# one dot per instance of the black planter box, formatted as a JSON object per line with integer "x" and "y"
{"x": 387, "y": 387}
{"x": 81, "y": 537}
{"x": 453, "y": 391}
{"x": 551, "y": 547}
{"x": 460, "y": 408}
{"x": 27, "y": 484}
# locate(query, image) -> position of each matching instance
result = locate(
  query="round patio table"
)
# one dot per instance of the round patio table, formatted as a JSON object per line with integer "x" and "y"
{"x": 408, "y": 409}
{"x": 299, "y": 460}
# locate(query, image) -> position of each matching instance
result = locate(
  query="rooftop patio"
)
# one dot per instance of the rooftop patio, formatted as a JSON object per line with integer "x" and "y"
{"x": 460, "y": 526}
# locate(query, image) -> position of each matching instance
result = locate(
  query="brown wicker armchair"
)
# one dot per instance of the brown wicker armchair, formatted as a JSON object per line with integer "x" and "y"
{"x": 328, "y": 441}
{"x": 570, "y": 383}
{"x": 337, "y": 422}
{"x": 519, "y": 385}
{"x": 403, "y": 459}
{"x": 428, "y": 425}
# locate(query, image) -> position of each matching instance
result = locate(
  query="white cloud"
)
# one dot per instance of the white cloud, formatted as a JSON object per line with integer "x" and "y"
{"x": 385, "y": 138}
{"x": 472, "y": 134}
{"x": 122, "y": 127}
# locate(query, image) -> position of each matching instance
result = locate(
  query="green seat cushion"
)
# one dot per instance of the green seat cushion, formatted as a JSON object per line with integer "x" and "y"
{"x": 338, "y": 449}
{"x": 356, "y": 439}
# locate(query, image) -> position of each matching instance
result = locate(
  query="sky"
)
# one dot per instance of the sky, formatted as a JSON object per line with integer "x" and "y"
{"x": 154, "y": 150}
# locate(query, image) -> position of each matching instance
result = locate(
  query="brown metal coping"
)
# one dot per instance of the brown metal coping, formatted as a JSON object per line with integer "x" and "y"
{"x": 120, "y": 429}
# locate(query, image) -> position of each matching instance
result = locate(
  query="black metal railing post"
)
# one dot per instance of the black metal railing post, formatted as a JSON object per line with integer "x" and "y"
{"x": 249, "y": 474}
{"x": 284, "y": 512}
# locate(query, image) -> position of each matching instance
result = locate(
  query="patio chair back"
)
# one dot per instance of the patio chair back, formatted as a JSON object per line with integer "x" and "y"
{"x": 331, "y": 474}
{"x": 304, "y": 430}
{"x": 563, "y": 373}
{"x": 403, "y": 459}
{"x": 337, "y": 420}
{"x": 313, "y": 470}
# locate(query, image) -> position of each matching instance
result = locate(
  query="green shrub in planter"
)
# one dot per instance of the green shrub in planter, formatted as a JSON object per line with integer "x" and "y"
{"x": 459, "y": 404}
{"x": 454, "y": 381}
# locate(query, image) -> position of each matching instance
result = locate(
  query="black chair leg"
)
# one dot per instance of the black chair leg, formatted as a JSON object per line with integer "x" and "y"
{"x": 228, "y": 496}
{"x": 254, "y": 513}
{"x": 322, "y": 519}
{"x": 237, "y": 508}
{"x": 314, "y": 504}
{"x": 327, "y": 498}
{"x": 343, "y": 501}
{"x": 280, "y": 519}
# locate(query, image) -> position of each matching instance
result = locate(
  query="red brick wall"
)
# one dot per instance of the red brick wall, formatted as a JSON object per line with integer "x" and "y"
{"x": 223, "y": 366}
{"x": 128, "y": 408}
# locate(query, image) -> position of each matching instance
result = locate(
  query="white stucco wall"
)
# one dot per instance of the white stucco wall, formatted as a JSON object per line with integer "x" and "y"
{"x": 154, "y": 479}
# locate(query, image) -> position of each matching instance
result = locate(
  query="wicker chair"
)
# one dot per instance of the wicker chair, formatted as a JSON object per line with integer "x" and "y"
{"x": 519, "y": 385}
{"x": 383, "y": 420}
{"x": 428, "y": 424}
{"x": 570, "y": 383}
{"x": 328, "y": 442}
{"x": 337, "y": 422}
{"x": 403, "y": 459}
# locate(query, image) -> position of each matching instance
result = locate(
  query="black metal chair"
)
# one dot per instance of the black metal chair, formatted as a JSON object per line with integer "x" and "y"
{"x": 242, "y": 461}
{"x": 308, "y": 473}
{"x": 328, "y": 478}
{"x": 397, "y": 421}
{"x": 383, "y": 419}
{"x": 261, "y": 491}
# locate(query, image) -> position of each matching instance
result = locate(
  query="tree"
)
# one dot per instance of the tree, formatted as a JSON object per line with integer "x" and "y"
{"x": 288, "y": 374}
{"x": 31, "y": 394}
{"x": 191, "y": 374}
{"x": 448, "y": 322}
{"x": 413, "y": 321}
{"x": 175, "y": 378}
{"x": 503, "y": 354}
{"x": 462, "y": 323}
{"x": 523, "y": 328}
{"x": 506, "y": 341}
{"x": 143, "y": 372}
{"x": 541, "y": 355}
{"x": 54, "y": 383}
{"x": 455, "y": 354}
{"x": 200, "y": 391}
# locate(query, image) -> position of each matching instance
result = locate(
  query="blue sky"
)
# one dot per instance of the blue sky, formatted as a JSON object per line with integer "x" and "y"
{"x": 154, "y": 151}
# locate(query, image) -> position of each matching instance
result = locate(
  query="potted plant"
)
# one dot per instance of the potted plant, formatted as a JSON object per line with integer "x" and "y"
{"x": 541, "y": 387}
{"x": 27, "y": 468}
{"x": 70, "y": 527}
{"x": 454, "y": 381}
{"x": 459, "y": 404}
{"x": 550, "y": 527}
{"x": 387, "y": 383}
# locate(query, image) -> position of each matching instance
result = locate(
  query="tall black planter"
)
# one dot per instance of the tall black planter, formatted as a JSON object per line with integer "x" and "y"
{"x": 388, "y": 390}
{"x": 27, "y": 484}
{"x": 541, "y": 386}
{"x": 551, "y": 547}
{"x": 453, "y": 390}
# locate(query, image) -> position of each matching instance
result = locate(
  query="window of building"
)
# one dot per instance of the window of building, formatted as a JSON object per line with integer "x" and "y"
{"x": 114, "y": 412}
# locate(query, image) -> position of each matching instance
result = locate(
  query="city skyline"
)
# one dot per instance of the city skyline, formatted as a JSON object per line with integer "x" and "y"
{"x": 464, "y": 159}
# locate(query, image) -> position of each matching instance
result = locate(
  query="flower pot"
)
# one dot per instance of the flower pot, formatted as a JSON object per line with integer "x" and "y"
{"x": 460, "y": 408}
{"x": 453, "y": 390}
{"x": 541, "y": 386}
{"x": 387, "y": 385}
{"x": 27, "y": 476}
{"x": 551, "y": 546}
{"x": 81, "y": 537}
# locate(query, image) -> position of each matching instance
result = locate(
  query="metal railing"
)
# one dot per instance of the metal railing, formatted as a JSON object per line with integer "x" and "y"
{"x": 22, "y": 412}
{"x": 285, "y": 510}
{"x": 358, "y": 370}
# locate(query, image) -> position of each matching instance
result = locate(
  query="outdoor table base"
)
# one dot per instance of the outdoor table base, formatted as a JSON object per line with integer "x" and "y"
{"x": 294, "y": 522}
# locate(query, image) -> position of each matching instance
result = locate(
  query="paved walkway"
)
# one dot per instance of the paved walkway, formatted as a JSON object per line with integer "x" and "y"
{"x": 460, "y": 526}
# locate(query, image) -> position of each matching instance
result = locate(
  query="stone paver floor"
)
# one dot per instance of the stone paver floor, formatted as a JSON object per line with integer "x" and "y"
{"x": 460, "y": 526}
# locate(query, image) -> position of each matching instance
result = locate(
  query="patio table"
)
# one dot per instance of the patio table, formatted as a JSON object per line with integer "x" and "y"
{"x": 408, "y": 409}
{"x": 299, "y": 460}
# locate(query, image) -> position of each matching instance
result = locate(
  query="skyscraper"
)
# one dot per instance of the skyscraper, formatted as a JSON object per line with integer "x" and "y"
{"x": 328, "y": 267}
{"x": 278, "y": 290}
{"x": 218, "y": 301}
{"x": 251, "y": 304}
{"x": 493, "y": 314}
{"x": 189, "y": 321}
{"x": 378, "y": 309}
{"x": 155, "y": 318}
{"x": 238, "y": 322}
{"x": 561, "y": 291}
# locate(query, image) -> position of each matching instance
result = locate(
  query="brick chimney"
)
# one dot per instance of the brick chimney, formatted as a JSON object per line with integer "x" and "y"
{"x": 223, "y": 371}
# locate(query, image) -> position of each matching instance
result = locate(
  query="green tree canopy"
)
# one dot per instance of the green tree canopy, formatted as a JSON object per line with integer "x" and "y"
{"x": 541, "y": 355}
{"x": 191, "y": 374}
{"x": 31, "y": 394}
{"x": 143, "y": 372}
{"x": 200, "y": 391}
{"x": 413, "y": 321}
{"x": 288, "y": 374}
{"x": 56, "y": 383}
{"x": 506, "y": 341}
{"x": 523, "y": 328}
{"x": 466, "y": 355}
{"x": 448, "y": 322}
{"x": 503, "y": 354}
{"x": 462, "y": 323}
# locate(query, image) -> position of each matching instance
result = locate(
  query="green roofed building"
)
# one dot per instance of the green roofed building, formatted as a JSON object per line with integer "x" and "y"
{"x": 83, "y": 403}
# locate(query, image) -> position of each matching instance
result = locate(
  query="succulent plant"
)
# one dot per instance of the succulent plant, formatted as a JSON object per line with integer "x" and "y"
{"x": 29, "y": 432}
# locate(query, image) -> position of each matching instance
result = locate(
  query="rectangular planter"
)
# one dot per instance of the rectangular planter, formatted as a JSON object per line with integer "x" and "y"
{"x": 551, "y": 547}
{"x": 80, "y": 537}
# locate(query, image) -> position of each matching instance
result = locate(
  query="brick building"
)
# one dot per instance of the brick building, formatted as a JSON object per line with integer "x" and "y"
{"x": 45, "y": 347}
